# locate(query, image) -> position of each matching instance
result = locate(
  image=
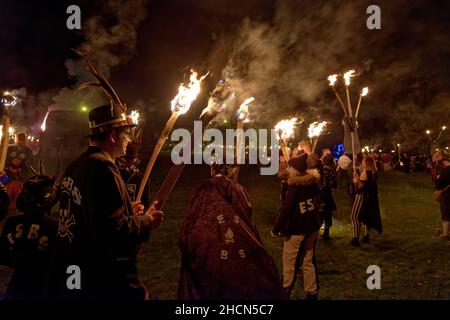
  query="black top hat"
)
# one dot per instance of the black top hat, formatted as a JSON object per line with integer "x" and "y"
{"x": 108, "y": 117}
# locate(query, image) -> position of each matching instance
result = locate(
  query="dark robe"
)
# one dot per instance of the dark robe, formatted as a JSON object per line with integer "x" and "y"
{"x": 25, "y": 244}
{"x": 222, "y": 252}
{"x": 371, "y": 215}
{"x": 98, "y": 232}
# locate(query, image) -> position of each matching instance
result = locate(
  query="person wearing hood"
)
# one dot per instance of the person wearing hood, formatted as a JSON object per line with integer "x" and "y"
{"x": 299, "y": 223}
{"x": 223, "y": 256}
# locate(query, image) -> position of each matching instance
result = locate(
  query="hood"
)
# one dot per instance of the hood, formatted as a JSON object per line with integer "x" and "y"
{"x": 224, "y": 185}
{"x": 311, "y": 176}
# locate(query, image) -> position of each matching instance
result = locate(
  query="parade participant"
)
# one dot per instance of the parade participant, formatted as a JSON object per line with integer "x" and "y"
{"x": 299, "y": 223}
{"x": 345, "y": 173}
{"x": 283, "y": 175}
{"x": 329, "y": 183}
{"x": 28, "y": 238}
{"x": 16, "y": 168}
{"x": 443, "y": 185}
{"x": 130, "y": 173}
{"x": 4, "y": 201}
{"x": 100, "y": 231}
{"x": 222, "y": 253}
{"x": 436, "y": 165}
{"x": 325, "y": 152}
{"x": 366, "y": 208}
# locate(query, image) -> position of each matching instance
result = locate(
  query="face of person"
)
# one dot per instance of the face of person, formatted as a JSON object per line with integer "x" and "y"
{"x": 304, "y": 147}
{"x": 122, "y": 141}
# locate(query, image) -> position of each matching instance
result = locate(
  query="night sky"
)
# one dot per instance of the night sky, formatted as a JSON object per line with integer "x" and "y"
{"x": 280, "y": 52}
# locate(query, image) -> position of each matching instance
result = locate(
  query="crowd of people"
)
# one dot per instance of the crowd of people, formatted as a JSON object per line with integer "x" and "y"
{"x": 101, "y": 225}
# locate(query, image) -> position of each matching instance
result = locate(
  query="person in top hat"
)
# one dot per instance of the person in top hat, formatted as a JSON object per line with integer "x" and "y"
{"x": 100, "y": 230}
{"x": 28, "y": 238}
{"x": 299, "y": 223}
{"x": 129, "y": 170}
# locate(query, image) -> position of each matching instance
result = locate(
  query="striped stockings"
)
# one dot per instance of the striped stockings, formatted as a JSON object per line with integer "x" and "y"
{"x": 356, "y": 216}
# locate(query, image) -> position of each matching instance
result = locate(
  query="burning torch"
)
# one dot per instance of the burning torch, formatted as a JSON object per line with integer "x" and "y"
{"x": 179, "y": 105}
{"x": 242, "y": 117}
{"x": 285, "y": 130}
{"x": 348, "y": 112}
{"x": 314, "y": 131}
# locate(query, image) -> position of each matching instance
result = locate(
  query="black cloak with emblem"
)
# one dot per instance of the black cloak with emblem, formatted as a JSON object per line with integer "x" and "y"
{"x": 222, "y": 253}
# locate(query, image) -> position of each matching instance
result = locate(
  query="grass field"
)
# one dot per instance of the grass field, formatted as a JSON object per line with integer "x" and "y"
{"x": 414, "y": 263}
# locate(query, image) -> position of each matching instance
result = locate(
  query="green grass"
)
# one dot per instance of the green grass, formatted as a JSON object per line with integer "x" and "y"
{"x": 414, "y": 263}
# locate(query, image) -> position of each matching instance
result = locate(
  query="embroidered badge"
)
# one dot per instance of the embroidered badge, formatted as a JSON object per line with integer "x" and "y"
{"x": 229, "y": 236}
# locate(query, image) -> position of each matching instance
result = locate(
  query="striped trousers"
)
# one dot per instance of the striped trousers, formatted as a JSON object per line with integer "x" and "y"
{"x": 356, "y": 216}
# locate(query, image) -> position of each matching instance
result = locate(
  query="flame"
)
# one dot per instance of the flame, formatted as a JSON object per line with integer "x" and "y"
{"x": 186, "y": 95}
{"x": 349, "y": 74}
{"x": 11, "y": 131}
{"x": 243, "y": 112}
{"x": 316, "y": 128}
{"x": 427, "y": 131}
{"x": 285, "y": 128}
{"x": 364, "y": 91}
{"x": 332, "y": 78}
{"x": 134, "y": 115}
{"x": 444, "y": 127}
{"x": 45, "y": 120}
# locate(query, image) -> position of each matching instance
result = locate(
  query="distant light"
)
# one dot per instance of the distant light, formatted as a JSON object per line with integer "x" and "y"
{"x": 446, "y": 148}
{"x": 84, "y": 108}
{"x": 393, "y": 151}
{"x": 437, "y": 149}
{"x": 6, "y": 93}
{"x": 379, "y": 150}
{"x": 427, "y": 131}
{"x": 398, "y": 144}
{"x": 444, "y": 127}
{"x": 225, "y": 121}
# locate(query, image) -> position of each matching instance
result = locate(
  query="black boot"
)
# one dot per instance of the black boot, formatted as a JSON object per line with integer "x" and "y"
{"x": 326, "y": 234}
{"x": 355, "y": 242}
{"x": 311, "y": 296}
{"x": 365, "y": 239}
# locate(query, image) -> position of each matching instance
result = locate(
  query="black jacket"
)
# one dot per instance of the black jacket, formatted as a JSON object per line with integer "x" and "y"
{"x": 25, "y": 246}
{"x": 300, "y": 211}
{"x": 97, "y": 232}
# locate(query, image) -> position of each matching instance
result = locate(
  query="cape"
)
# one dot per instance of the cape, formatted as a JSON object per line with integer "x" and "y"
{"x": 222, "y": 253}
